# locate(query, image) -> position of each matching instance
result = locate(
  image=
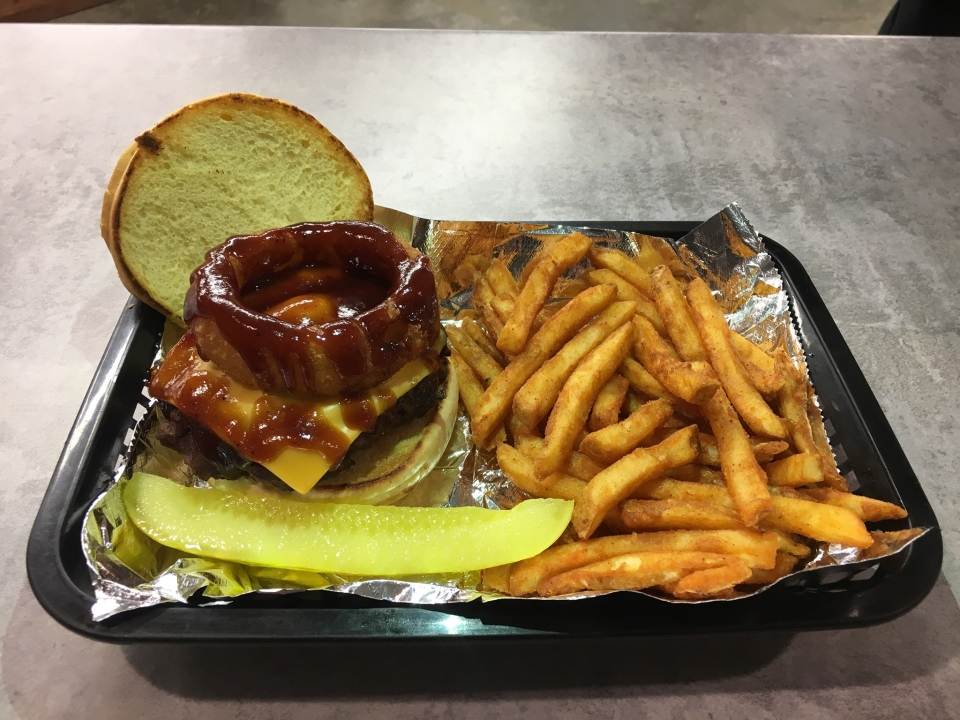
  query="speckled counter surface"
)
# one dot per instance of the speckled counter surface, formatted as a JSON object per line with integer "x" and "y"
{"x": 846, "y": 150}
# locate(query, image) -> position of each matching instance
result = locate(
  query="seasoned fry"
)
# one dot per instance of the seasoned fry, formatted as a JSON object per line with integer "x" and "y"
{"x": 611, "y": 443}
{"x": 484, "y": 366}
{"x": 625, "y": 292}
{"x": 495, "y": 403}
{"x": 631, "y": 572}
{"x": 865, "y": 508}
{"x": 570, "y": 413}
{"x": 746, "y": 482}
{"x": 786, "y": 543}
{"x": 500, "y": 279}
{"x": 565, "y": 254}
{"x": 504, "y": 305}
{"x": 694, "y": 382}
{"x": 710, "y": 455}
{"x": 622, "y": 265}
{"x": 715, "y": 336}
{"x": 476, "y": 333}
{"x": 760, "y": 368}
{"x": 831, "y": 473}
{"x": 698, "y": 473}
{"x": 482, "y": 298}
{"x": 539, "y": 394}
{"x": 470, "y": 386}
{"x": 606, "y": 410}
{"x": 784, "y": 566}
{"x": 497, "y": 578}
{"x": 667, "y": 488}
{"x": 470, "y": 268}
{"x": 672, "y": 307}
{"x": 678, "y": 515}
{"x": 799, "y": 469}
{"x": 618, "y": 481}
{"x": 579, "y": 465}
{"x": 827, "y": 523}
{"x": 645, "y": 383}
{"x": 713, "y": 582}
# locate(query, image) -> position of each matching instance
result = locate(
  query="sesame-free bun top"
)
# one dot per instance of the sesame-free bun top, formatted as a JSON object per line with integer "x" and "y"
{"x": 229, "y": 165}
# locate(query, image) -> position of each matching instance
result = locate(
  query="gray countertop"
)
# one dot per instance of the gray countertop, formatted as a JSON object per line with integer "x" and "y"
{"x": 845, "y": 150}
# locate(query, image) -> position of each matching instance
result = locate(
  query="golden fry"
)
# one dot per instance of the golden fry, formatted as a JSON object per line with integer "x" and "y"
{"x": 746, "y": 482}
{"x": 471, "y": 328}
{"x": 831, "y": 473}
{"x": 784, "y": 566}
{"x": 712, "y": 582}
{"x": 569, "y": 415}
{"x": 539, "y": 394}
{"x": 627, "y": 292}
{"x": 470, "y": 386}
{"x": 503, "y": 305}
{"x": 826, "y": 523}
{"x": 497, "y": 578}
{"x": 666, "y": 488}
{"x": 645, "y": 383}
{"x": 694, "y": 382}
{"x": 678, "y": 515}
{"x": 561, "y": 256}
{"x": 710, "y": 455}
{"x": 500, "y": 279}
{"x": 760, "y": 368}
{"x": 786, "y": 543}
{"x": 611, "y": 443}
{"x": 606, "y": 410}
{"x": 698, "y": 473}
{"x": 483, "y": 296}
{"x": 622, "y": 265}
{"x": 485, "y": 367}
{"x": 618, "y": 481}
{"x": 673, "y": 308}
{"x": 799, "y": 469}
{"x": 715, "y": 336}
{"x": 865, "y": 508}
{"x": 493, "y": 406}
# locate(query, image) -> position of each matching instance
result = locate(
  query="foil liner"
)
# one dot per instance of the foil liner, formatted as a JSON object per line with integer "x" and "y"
{"x": 129, "y": 570}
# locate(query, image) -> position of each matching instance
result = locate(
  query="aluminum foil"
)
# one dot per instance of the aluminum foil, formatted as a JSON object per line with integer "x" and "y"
{"x": 129, "y": 570}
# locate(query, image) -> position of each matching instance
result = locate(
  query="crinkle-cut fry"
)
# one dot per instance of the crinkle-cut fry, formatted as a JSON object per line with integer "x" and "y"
{"x": 620, "y": 480}
{"x": 611, "y": 443}
{"x": 865, "y": 508}
{"x": 482, "y": 302}
{"x": 627, "y": 292}
{"x": 694, "y": 382}
{"x": 677, "y": 515}
{"x": 827, "y": 523}
{"x": 713, "y": 582}
{"x": 783, "y": 567}
{"x": 500, "y": 279}
{"x": 484, "y": 366}
{"x": 675, "y": 312}
{"x": 761, "y": 370}
{"x": 539, "y": 394}
{"x": 756, "y": 549}
{"x": 635, "y": 571}
{"x": 646, "y": 384}
{"x": 715, "y": 336}
{"x": 786, "y": 543}
{"x": 495, "y": 403}
{"x": 606, "y": 410}
{"x": 561, "y": 256}
{"x": 569, "y": 414}
{"x": 698, "y": 473}
{"x": 622, "y": 265}
{"x": 710, "y": 455}
{"x": 795, "y": 470}
{"x": 745, "y": 480}
{"x": 831, "y": 473}
{"x": 476, "y": 333}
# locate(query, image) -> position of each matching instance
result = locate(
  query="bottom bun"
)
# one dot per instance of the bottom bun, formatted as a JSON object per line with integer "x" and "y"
{"x": 387, "y": 469}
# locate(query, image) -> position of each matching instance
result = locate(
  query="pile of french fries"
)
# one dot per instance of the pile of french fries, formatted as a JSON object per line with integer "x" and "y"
{"x": 687, "y": 450}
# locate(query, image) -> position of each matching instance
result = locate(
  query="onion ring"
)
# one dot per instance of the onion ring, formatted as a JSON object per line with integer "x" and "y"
{"x": 352, "y": 352}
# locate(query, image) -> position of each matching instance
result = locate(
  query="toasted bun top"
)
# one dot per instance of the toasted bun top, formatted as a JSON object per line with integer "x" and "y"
{"x": 228, "y": 165}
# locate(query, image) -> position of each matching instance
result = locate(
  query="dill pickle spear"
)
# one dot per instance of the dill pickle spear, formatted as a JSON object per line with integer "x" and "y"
{"x": 375, "y": 540}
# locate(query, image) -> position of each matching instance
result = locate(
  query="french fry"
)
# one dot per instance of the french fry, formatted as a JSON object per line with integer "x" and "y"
{"x": 645, "y": 383}
{"x": 627, "y": 292}
{"x": 622, "y": 265}
{"x": 787, "y": 544}
{"x": 548, "y": 242}
{"x": 500, "y": 279}
{"x": 668, "y": 488}
{"x": 865, "y": 508}
{"x": 783, "y": 567}
{"x": 579, "y": 465}
{"x": 617, "y": 482}
{"x": 673, "y": 309}
{"x": 484, "y": 366}
{"x": 710, "y": 455}
{"x": 745, "y": 480}
{"x": 694, "y": 382}
{"x": 482, "y": 298}
{"x": 495, "y": 403}
{"x": 613, "y": 442}
{"x": 539, "y": 394}
{"x": 563, "y": 255}
{"x": 826, "y": 523}
{"x": 570, "y": 413}
{"x": 606, "y": 410}
{"x": 760, "y": 368}
{"x": 712, "y": 582}
{"x": 476, "y": 333}
{"x": 795, "y": 470}
{"x": 698, "y": 473}
{"x": 678, "y": 515}
{"x": 831, "y": 473}
{"x": 497, "y": 578}
{"x": 471, "y": 267}
{"x": 470, "y": 386}
{"x": 503, "y": 305}
{"x": 715, "y": 336}
{"x": 635, "y": 571}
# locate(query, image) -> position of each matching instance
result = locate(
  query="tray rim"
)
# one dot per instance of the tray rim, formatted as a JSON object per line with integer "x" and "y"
{"x": 71, "y": 607}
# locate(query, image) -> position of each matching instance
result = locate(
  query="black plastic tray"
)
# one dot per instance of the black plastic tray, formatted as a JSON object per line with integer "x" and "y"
{"x": 863, "y": 594}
